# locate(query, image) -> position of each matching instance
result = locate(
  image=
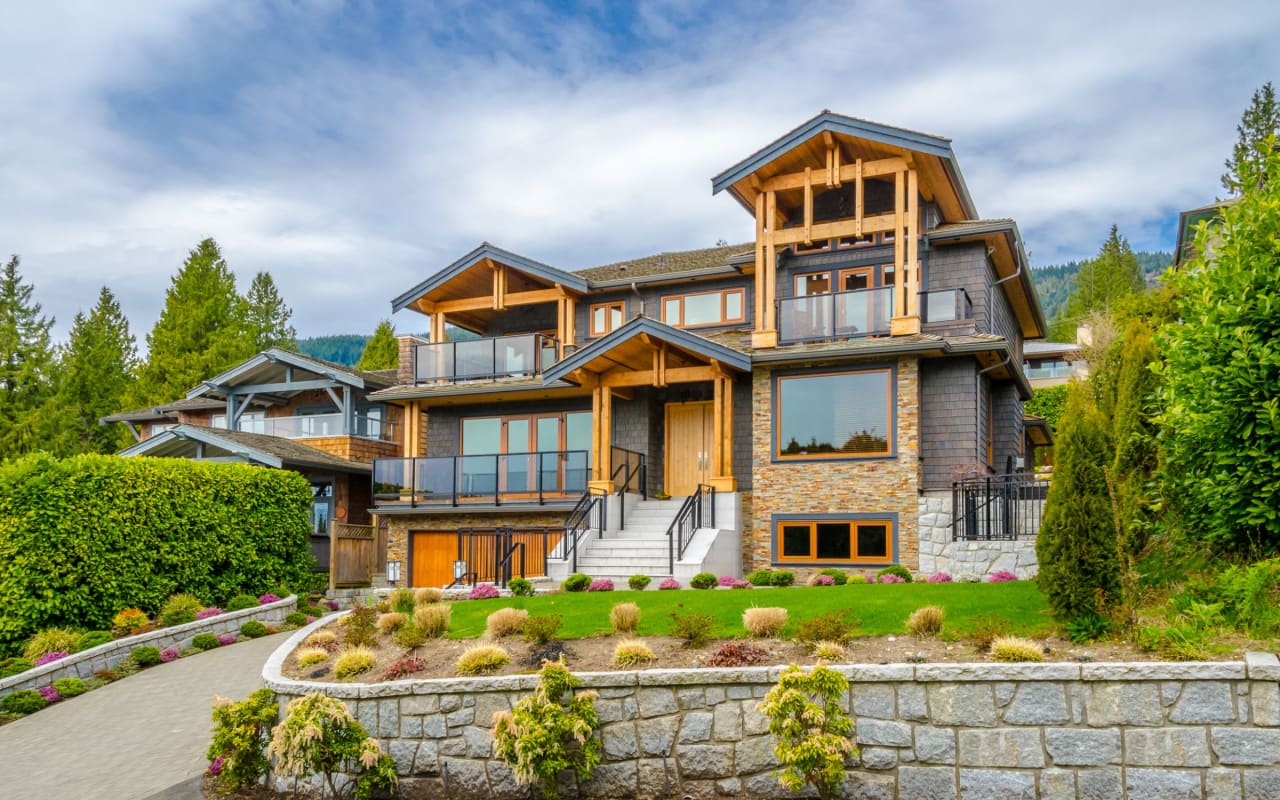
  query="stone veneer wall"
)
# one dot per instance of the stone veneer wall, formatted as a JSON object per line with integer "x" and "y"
{"x": 83, "y": 664}
{"x": 836, "y": 486}
{"x": 399, "y": 526}
{"x": 938, "y": 553}
{"x": 1066, "y": 730}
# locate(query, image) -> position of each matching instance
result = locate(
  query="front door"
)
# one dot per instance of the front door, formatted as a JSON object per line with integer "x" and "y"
{"x": 688, "y": 447}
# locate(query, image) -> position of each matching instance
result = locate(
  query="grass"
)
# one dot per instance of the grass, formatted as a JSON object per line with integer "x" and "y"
{"x": 882, "y": 609}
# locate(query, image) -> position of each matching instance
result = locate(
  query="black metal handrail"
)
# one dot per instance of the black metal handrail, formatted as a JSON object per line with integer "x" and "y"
{"x": 997, "y": 507}
{"x": 631, "y": 466}
{"x": 541, "y": 477}
{"x": 697, "y": 509}
{"x": 590, "y": 508}
{"x": 496, "y": 555}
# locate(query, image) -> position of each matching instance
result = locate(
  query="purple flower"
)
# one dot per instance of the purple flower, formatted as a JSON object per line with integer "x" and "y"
{"x": 332, "y": 604}
{"x": 268, "y": 598}
{"x": 891, "y": 578}
{"x": 49, "y": 658}
{"x": 227, "y": 638}
{"x": 727, "y": 580}
{"x": 215, "y": 767}
{"x": 601, "y": 585}
{"x": 483, "y": 591}
{"x": 669, "y": 583}
{"x": 310, "y": 619}
{"x": 169, "y": 654}
{"x": 740, "y": 584}
{"x": 822, "y": 580}
{"x": 939, "y": 577}
{"x": 49, "y": 694}
{"x": 1001, "y": 576}
{"x": 205, "y": 613}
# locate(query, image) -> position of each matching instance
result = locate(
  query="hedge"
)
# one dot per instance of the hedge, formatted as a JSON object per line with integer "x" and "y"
{"x": 84, "y": 537}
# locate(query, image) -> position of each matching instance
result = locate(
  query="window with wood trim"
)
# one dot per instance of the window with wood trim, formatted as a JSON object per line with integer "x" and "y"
{"x": 721, "y": 307}
{"x": 834, "y": 415}
{"x": 606, "y": 317}
{"x": 834, "y": 541}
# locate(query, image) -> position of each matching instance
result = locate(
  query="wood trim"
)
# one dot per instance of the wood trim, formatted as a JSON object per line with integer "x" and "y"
{"x": 812, "y": 557}
{"x": 890, "y": 427}
{"x": 836, "y": 229}
{"x": 620, "y": 379}
{"x": 912, "y": 269}
{"x": 870, "y": 169}
{"x": 620, "y": 305}
{"x": 724, "y": 307}
{"x": 482, "y": 303}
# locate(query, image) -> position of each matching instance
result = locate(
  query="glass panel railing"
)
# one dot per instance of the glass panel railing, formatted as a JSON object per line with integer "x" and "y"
{"x": 318, "y": 425}
{"x": 524, "y": 355}
{"x": 1055, "y": 371}
{"x": 476, "y": 479}
{"x": 837, "y": 315}
{"x": 945, "y": 305}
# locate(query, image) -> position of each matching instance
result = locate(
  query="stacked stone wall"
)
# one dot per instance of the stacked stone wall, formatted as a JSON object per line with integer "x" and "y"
{"x": 938, "y": 553}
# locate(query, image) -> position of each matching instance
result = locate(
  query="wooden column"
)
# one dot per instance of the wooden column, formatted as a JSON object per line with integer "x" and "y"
{"x": 722, "y": 471}
{"x": 601, "y": 439}
{"x": 766, "y": 334}
{"x": 906, "y": 318}
{"x": 913, "y": 246}
{"x": 760, "y": 273}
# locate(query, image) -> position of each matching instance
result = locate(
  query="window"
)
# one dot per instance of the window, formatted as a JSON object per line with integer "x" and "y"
{"x": 538, "y": 433}
{"x": 607, "y": 317}
{"x": 516, "y": 455}
{"x": 813, "y": 283}
{"x": 834, "y": 541}
{"x": 706, "y": 308}
{"x": 835, "y": 415}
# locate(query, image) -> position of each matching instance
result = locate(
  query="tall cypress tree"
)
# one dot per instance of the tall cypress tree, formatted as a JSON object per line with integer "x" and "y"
{"x": 1260, "y": 121}
{"x": 1101, "y": 282}
{"x": 26, "y": 360}
{"x": 382, "y": 351}
{"x": 267, "y": 316}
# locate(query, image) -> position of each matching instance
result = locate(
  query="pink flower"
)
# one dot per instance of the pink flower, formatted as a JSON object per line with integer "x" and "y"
{"x": 483, "y": 591}
{"x": 727, "y": 580}
{"x": 215, "y": 767}
{"x": 601, "y": 585}
{"x": 49, "y": 658}
{"x": 822, "y": 580}
{"x": 332, "y": 604}
{"x": 891, "y": 578}
{"x": 268, "y": 598}
{"x": 669, "y": 583}
{"x": 740, "y": 584}
{"x": 49, "y": 694}
{"x": 939, "y": 577}
{"x": 169, "y": 654}
{"x": 227, "y": 638}
{"x": 1001, "y": 576}
{"x": 205, "y": 613}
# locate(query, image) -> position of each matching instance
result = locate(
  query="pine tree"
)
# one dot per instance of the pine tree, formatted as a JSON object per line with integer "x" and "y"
{"x": 267, "y": 316}
{"x": 381, "y": 351}
{"x": 26, "y": 360}
{"x": 1102, "y": 281}
{"x": 1077, "y": 548}
{"x": 200, "y": 331}
{"x": 1259, "y": 121}
{"x": 95, "y": 373}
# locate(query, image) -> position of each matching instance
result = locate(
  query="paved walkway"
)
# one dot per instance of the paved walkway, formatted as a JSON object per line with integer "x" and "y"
{"x": 130, "y": 739}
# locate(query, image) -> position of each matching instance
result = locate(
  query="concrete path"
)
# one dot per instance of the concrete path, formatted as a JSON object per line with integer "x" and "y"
{"x": 133, "y": 738}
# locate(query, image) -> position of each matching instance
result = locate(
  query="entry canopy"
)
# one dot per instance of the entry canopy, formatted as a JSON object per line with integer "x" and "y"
{"x": 632, "y": 348}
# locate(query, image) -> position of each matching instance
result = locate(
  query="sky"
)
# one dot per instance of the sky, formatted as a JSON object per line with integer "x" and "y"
{"x": 353, "y": 149}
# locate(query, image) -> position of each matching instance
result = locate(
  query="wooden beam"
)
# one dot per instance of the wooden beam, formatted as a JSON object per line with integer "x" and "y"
{"x": 624, "y": 394}
{"x": 913, "y": 244}
{"x": 513, "y": 299}
{"x": 760, "y": 271}
{"x": 858, "y": 192}
{"x": 831, "y": 230}
{"x": 717, "y": 426}
{"x": 284, "y": 386}
{"x": 808, "y": 206}
{"x": 648, "y": 378}
{"x": 835, "y": 165}
{"x": 899, "y": 296}
{"x": 727, "y": 471}
{"x": 870, "y": 169}
{"x": 597, "y": 410}
{"x": 830, "y": 141}
{"x": 571, "y": 321}
{"x": 770, "y": 259}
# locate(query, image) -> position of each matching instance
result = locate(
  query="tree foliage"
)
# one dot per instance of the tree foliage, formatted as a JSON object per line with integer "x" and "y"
{"x": 382, "y": 351}
{"x": 1133, "y": 433}
{"x": 1259, "y": 123}
{"x": 1221, "y": 418}
{"x": 1100, "y": 284}
{"x": 26, "y": 363}
{"x": 1049, "y": 403}
{"x": 806, "y": 714}
{"x": 266, "y": 317}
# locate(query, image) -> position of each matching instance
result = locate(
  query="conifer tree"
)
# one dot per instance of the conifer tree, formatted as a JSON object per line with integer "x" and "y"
{"x": 1259, "y": 121}
{"x": 381, "y": 351}
{"x": 1133, "y": 432}
{"x": 1101, "y": 282}
{"x": 267, "y": 316}
{"x": 26, "y": 360}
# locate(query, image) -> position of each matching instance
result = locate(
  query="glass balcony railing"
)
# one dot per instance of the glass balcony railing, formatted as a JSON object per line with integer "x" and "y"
{"x": 519, "y": 356}
{"x": 1048, "y": 370}
{"x": 312, "y": 426}
{"x": 481, "y": 480}
{"x": 945, "y": 305}
{"x": 838, "y": 315}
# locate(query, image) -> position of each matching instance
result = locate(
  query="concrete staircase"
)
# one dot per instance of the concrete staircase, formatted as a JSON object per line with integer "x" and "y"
{"x": 640, "y": 548}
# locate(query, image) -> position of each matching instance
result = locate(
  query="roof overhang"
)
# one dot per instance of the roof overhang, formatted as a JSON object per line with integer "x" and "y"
{"x": 631, "y": 348}
{"x": 1038, "y": 430}
{"x": 1009, "y": 259}
{"x": 207, "y": 444}
{"x": 272, "y": 372}
{"x": 458, "y": 394}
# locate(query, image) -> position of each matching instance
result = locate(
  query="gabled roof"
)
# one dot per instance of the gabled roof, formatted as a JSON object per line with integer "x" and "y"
{"x": 688, "y": 342}
{"x": 254, "y": 448}
{"x": 165, "y": 410}
{"x": 497, "y": 254}
{"x": 253, "y": 371}
{"x": 667, "y": 263}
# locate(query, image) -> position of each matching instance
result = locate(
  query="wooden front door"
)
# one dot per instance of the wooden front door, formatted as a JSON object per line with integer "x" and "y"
{"x": 688, "y": 447}
{"x": 431, "y": 556}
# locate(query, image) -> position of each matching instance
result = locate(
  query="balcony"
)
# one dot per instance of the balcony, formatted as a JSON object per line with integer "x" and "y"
{"x": 1046, "y": 370}
{"x": 314, "y": 426}
{"x": 521, "y": 356}
{"x": 945, "y": 305}
{"x": 491, "y": 480}
{"x": 838, "y": 315}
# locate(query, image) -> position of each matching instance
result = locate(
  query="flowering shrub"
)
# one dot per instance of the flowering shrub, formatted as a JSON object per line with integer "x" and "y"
{"x": 727, "y": 580}
{"x": 1001, "y": 576}
{"x": 601, "y": 585}
{"x": 70, "y": 687}
{"x": 268, "y": 598}
{"x": 319, "y": 735}
{"x": 822, "y": 580}
{"x": 128, "y": 622}
{"x": 49, "y": 658}
{"x": 227, "y": 638}
{"x": 483, "y": 591}
{"x": 168, "y": 654}
{"x": 668, "y": 583}
{"x": 939, "y": 577}
{"x": 211, "y": 611}
{"x": 215, "y": 766}
{"x": 49, "y": 694}
{"x": 889, "y": 577}
{"x": 241, "y": 731}
{"x": 740, "y": 584}
{"x": 332, "y": 605}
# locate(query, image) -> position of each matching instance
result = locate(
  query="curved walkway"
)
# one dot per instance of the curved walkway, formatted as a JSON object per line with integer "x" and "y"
{"x": 132, "y": 738}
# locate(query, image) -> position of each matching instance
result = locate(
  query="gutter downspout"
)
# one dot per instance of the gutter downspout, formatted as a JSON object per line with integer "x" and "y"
{"x": 639, "y": 296}
{"x": 977, "y": 405}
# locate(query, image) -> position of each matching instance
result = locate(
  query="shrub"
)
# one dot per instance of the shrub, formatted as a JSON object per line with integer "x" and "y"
{"x": 314, "y": 612}
{"x": 93, "y": 639}
{"x": 726, "y": 580}
{"x": 1088, "y": 628}
{"x": 319, "y": 735}
{"x": 521, "y": 587}
{"x": 667, "y": 584}
{"x": 601, "y": 585}
{"x": 631, "y": 653}
{"x": 482, "y": 659}
{"x": 837, "y": 575}
{"x": 1013, "y": 648}
{"x": 49, "y": 658}
{"x": 25, "y": 701}
{"x": 322, "y": 638}
{"x": 890, "y": 579}
{"x": 576, "y": 582}
{"x": 939, "y": 577}
{"x": 179, "y": 609}
{"x": 736, "y": 654}
{"x": 505, "y": 622}
{"x": 426, "y": 596}
{"x": 354, "y": 661}
{"x": 206, "y": 613}
{"x": 51, "y": 640}
{"x": 703, "y": 580}
{"x": 639, "y": 583}
{"x": 1001, "y": 576}
{"x": 333, "y": 604}
{"x": 895, "y": 569}
{"x": 858, "y": 579}
{"x": 738, "y": 583}
{"x": 225, "y": 639}
{"x": 549, "y": 731}
{"x": 268, "y": 598}
{"x": 295, "y": 618}
{"x": 784, "y": 577}
{"x": 240, "y": 735}
{"x": 986, "y": 629}
{"x": 695, "y": 629}
{"x": 828, "y": 651}
{"x": 625, "y": 617}
{"x": 402, "y": 600}
{"x": 822, "y": 580}
{"x": 764, "y": 621}
{"x": 761, "y": 577}
{"x": 926, "y": 621}
{"x": 540, "y": 630}
{"x": 70, "y": 687}
{"x": 310, "y": 656}
{"x": 483, "y": 591}
{"x": 49, "y": 693}
{"x": 145, "y": 656}
{"x": 831, "y": 626}
{"x": 168, "y": 655}
{"x": 1252, "y": 597}
{"x": 360, "y": 626}
{"x": 432, "y": 620}
{"x": 402, "y": 667}
{"x": 253, "y": 629}
{"x": 241, "y": 602}
{"x": 391, "y": 622}
{"x": 807, "y": 716}
{"x": 14, "y": 666}
{"x": 410, "y": 637}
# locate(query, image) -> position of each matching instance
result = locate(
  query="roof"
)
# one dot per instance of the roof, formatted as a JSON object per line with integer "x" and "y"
{"x": 257, "y": 448}
{"x": 1002, "y": 232}
{"x": 668, "y": 262}
{"x": 1038, "y": 430}
{"x": 266, "y": 365}
{"x": 165, "y": 410}
{"x": 646, "y": 327}
{"x": 494, "y": 253}
{"x": 1039, "y": 349}
{"x": 1189, "y": 221}
{"x": 485, "y": 389}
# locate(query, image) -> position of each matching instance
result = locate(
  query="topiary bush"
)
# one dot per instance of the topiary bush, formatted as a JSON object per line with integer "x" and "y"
{"x": 253, "y": 629}
{"x": 576, "y": 582}
{"x": 25, "y": 701}
{"x": 241, "y": 602}
{"x": 240, "y": 735}
{"x": 761, "y": 577}
{"x": 784, "y": 577}
{"x": 521, "y": 587}
{"x": 895, "y": 569}
{"x": 205, "y": 641}
{"x": 179, "y": 609}
{"x": 93, "y": 639}
{"x": 70, "y": 687}
{"x": 145, "y": 656}
{"x": 638, "y": 583}
{"x": 704, "y": 580}
{"x": 296, "y": 619}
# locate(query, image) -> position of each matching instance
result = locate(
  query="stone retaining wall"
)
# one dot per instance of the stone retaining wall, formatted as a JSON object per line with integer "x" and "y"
{"x": 1065, "y": 730}
{"x": 83, "y": 664}
{"x": 938, "y": 553}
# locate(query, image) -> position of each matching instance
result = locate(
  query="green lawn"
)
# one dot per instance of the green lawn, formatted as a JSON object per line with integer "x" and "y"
{"x": 881, "y": 608}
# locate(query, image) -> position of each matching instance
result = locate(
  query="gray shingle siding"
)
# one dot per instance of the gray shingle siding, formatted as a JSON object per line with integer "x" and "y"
{"x": 948, "y": 419}
{"x": 1009, "y": 425}
{"x": 650, "y": 302}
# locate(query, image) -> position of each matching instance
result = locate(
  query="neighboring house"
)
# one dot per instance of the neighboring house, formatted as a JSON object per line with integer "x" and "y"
{"x": 807, "y": 399}
{"x": 1190, "y": 220}
{"x": 284, "y": 410}
{"x": 1053, "y": 363}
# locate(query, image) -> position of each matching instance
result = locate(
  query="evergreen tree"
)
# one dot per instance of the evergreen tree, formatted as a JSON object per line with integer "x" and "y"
{"x": 26, "y": 360}
{"x": 1260, "y": 121}
{"x": 267, "y": 316}
{"x": 200, "y": 331}
{"x": 381, "y": 351}
{"x": 1076, "y": 548}
{"x": 1100, "y": 284}
{"x": 95, "y": 374}
{"x": 1133, "y": 432}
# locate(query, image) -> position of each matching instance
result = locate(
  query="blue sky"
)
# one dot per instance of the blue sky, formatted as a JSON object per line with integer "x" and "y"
{"x": 352, "y": 149}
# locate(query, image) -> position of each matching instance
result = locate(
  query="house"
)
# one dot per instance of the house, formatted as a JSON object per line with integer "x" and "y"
{"x": 284, "y": 410}
{"x": 806, "y": 399}
{"x": 1053, "y": 363}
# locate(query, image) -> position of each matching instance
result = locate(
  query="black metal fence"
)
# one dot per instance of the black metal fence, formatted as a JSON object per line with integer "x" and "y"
{"x": 997, "y": 507}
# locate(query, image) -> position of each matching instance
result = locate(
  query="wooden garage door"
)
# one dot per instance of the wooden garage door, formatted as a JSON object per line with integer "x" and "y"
{"x": 431, "y": 555}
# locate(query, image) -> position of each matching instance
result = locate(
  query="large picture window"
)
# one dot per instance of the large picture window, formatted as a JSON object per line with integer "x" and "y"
{"x": 706, "y": 308}
{"x": 830, "y": 541}
{"x": 834, "y": 415}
